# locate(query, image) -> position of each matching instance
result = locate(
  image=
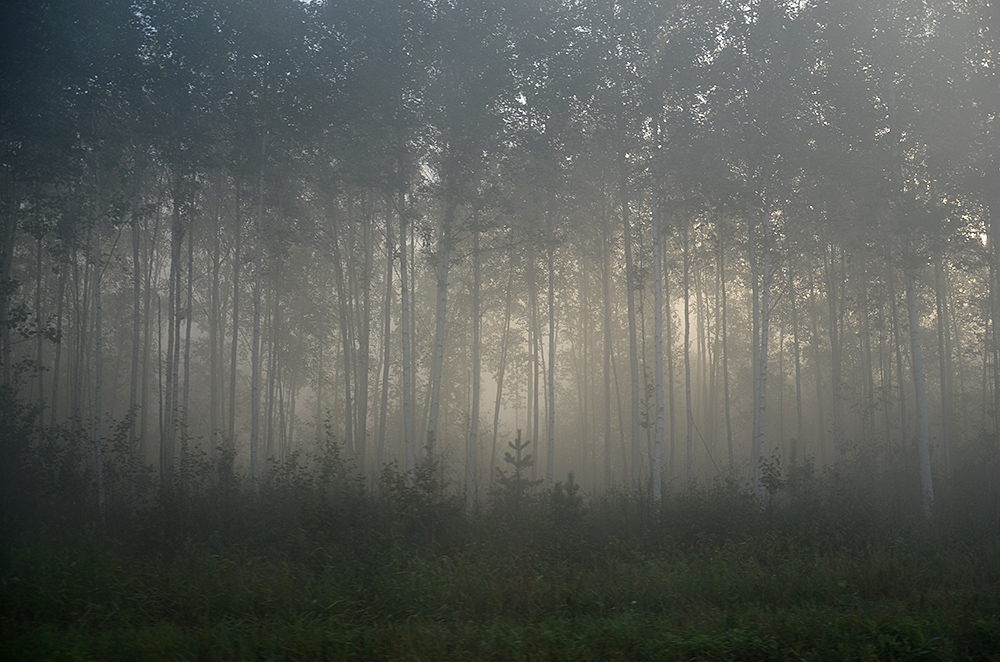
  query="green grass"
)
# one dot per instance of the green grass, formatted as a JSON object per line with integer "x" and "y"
{"x": 829, "y": 567}
{"x": 766, "y": 597}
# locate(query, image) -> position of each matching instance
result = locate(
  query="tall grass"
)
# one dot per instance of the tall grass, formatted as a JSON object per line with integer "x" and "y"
{"x": 830, "y": 566}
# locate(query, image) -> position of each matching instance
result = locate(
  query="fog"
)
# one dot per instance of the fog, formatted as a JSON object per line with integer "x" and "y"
{"x": 668, "y": 242}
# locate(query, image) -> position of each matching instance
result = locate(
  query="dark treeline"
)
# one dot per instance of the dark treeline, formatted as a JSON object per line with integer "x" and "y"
{"x": 666, "y": 240}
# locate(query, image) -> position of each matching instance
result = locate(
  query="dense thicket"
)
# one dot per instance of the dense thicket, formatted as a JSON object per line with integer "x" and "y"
{"x": 666, "y": 240}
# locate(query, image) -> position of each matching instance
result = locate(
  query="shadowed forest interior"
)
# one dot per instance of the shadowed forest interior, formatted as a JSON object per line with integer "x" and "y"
{"x": 666, "y": 241}
{"x": 500, "y": 329}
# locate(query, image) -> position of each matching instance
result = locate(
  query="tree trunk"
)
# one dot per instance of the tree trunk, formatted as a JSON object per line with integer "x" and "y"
{"x": 167, "y": 450}
{"x": 898, "y": 343}
{"x": 923, "y": 428}
{"x": 760, "y": 282}
{"x": 188, "y": 310}
{"x": 725, "y": 351}
{"x": 818, "y": 368}
{"x": 632, "y": 344}
{"x": 501, "y": 369}
{"x": 98, "y": 357}
{"x": 796, "y": 350}
{"x": 214, "y": 335}
{"x": 60, "y": 297}
{"x": 867, "y": 366}
{"x": 944, "y": 364}
{"x": 364, "y": 336}
{"x": 658, "y": 350}
{"x": 689, "y": 465}
{"x": 233, "y": 355}
{"x": 255, "y": 344}
{"x": 533, "y": 348}
{"x": 836, "y": 362}
{"x": 347, "y": 344}
{"x": 606, "y": 293}
{"x": 152, "y": 275}
{"x": 8, "y": 237}
{"x": 551, "y": 409}
{"x": 471, "y": 449}
{"x": 409, "y": 439}
{"x": 386, "y": 344}
{"x": 440, "y": 319}
{"x": 39, "y": 334}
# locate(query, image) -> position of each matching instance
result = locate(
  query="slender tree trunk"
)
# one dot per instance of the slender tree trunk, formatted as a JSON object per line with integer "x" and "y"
{"x": 409, "y": 438}
{"x": 386, "y": 343}
{"x": 551, "y": 409}
{"x": 671, "y": 391}
{"x": 923, "y": 428}
{"x": 585, "y": 387}
{"x": 344, "y": 303}
{"x": 689, "y": 465}
{"x": 760, "y": 280}
{"x": 60, "y": 297}
{"x": 98, "y": 363}
{"x": 796, "y": 350}
{"x": 39, "y": 334}
{"x": 81, "y": 322}
{"x": 320, "y": 431}
{"x": 255, "y": 357}
{"x": 443, "y": 269}
{"x": 136, "y": 316}
{"x": 702, "y": 345}
{"x": 867, "y": 366}
{"x": 364, "y": 337}
{"x": 944, "y": 365}
{"x": 274, "y": 362}
{"x": 898, "y": 343}
{"x": 835, "y": 353}
{"x": 606, "y": 293}
{"x": 632, "y": 344}
{"x": 214, "y": 334}
{"x": 993, "y": 349}
{"x": 147, "y": 341}
{"x": 725, "y": 351}
{"x": 956, "y": 354}
{"x": 818, "y": 368}
{"x": 233, "y": 348}
{"x": 471, "y": 449}
{"x": 174, "y": 315}
{"x": 658, "y": 350}
{"x": 8, "y": 237}
{"x": 533, "y": 348}
{"x": 188, "y": 310}
{"x": 501, "y": 369}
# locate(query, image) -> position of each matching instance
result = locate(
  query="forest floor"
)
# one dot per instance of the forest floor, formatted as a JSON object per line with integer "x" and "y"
{"x": 315, "y": 579}
{"x": 315, "y": 565}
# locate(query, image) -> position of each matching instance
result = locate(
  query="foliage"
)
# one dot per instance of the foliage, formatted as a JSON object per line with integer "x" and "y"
{"x": 513, "y": 484}
{"x": 286, "y": 576}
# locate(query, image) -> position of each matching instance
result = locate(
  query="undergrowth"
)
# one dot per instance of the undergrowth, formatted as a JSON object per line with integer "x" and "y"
{"x": 314, "y": 563}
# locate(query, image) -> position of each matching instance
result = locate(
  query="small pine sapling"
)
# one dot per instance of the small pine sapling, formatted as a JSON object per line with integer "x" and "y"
{"x": 514, "y": 483}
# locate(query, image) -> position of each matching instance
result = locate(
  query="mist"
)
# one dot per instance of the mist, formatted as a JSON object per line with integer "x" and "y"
{"x": 626, "y": 251}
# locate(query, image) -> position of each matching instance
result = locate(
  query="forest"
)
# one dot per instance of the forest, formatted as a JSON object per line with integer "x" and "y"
{"x": 511, "y": 299}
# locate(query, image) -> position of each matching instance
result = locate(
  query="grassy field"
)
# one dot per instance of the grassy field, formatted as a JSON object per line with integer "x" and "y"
{"x": 306, "y": 572}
